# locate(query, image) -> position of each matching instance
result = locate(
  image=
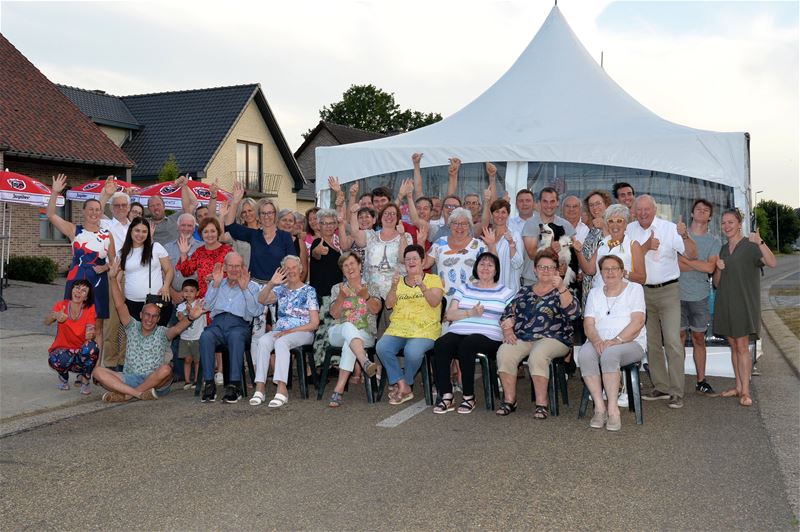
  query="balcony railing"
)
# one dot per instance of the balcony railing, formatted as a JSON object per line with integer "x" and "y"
{"x": 260, "y": 183}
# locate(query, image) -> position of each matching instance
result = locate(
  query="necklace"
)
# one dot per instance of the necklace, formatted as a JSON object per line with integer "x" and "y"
{"x": 610, "y": 307}
{"x": 74, "y": 316}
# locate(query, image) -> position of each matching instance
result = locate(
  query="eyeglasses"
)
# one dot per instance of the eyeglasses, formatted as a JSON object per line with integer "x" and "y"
{"x": 472, "y": 202}
{"x": 119, "y": 205}
{"x": 267, "y": 213}
{"x": 616, "y": 220}
{"x": 450, "y": 207}
{"x": 613, "y": 269}
{"x": 460, "y": 224}
{"x": 327, "y": 223}
{"x": 543, "y": 268}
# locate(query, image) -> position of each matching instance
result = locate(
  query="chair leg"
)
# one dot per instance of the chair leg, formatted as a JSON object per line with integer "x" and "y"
{"x": 561, "y": 372}
{"x": 371, "y": 384}
{"x": 248, "y": 356}
{"x": 584, "y": 402}
{"x": 493, "y": 377}
{"x": 323, "y": 378}
{"x": 487, "y": 381}
{"x": 637, "y": 395}
{"x": 426, "y": 379}
{"x": 198, "y": 378}
{"x": 628, "y": 385}
{"x": 552, "y": 390}
{"x": 301, "y": 372}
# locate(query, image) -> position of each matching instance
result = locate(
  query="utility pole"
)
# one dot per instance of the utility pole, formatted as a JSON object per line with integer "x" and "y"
{"x": 777, "y": 229}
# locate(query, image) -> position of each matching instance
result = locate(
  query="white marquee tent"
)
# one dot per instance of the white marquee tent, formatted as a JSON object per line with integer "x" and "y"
{"x": 555, "y": 104}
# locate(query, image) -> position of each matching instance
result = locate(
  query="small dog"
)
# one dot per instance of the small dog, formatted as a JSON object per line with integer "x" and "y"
{"x": 564, "y": 254}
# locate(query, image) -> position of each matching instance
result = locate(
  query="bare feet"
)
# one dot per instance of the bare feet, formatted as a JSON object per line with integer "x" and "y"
{"x": 733, "y": 392}
{"x": 746, "y": 400}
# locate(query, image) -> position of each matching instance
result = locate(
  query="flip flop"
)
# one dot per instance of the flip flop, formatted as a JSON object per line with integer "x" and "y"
{"x": 278, "y": 401}
{"x": 257, "y": 399}
{"x": 746, "y": 400}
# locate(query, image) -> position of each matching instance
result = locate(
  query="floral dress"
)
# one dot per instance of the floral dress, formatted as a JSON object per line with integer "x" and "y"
{"x": 590, "y": 245}
{"x": 90, "y": 249}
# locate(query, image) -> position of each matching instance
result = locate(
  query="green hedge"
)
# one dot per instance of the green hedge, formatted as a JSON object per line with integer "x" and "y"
{"x": 33, "y": 269}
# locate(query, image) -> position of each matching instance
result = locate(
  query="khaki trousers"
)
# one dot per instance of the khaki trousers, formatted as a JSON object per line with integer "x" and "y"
{"x": 114, "y": 339}
{"x": 665, "y": 353}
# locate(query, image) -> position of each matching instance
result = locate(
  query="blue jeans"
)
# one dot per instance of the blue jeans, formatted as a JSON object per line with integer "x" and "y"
{"x": 389, "y": 347}
{"x": 226, "y": 330}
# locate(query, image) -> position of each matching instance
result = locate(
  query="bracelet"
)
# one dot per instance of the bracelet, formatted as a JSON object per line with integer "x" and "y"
{"x": 618, "y": 339}
{"x": 563, "y": 291}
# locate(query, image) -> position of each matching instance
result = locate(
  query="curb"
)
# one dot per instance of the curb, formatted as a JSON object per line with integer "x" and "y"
{"x": 24, "y": 423}
{"x": 784, "y": 339}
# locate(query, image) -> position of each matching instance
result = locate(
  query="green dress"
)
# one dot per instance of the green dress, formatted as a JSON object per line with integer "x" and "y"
{"x": 737, "y": 311}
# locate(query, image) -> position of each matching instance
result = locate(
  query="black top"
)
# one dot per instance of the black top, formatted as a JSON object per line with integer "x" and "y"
{"x": 325, "y": 272}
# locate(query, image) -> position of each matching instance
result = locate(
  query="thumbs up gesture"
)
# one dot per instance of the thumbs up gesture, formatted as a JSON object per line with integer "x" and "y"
{"x": 652, "y": 243}
{"x": 681, "y": 227}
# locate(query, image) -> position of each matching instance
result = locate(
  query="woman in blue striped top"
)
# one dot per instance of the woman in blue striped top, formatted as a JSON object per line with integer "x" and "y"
{"x": 475, "y": 315}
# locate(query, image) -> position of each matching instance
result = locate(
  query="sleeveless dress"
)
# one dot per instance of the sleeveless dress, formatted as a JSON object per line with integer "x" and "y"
{"x": 90, "y": 249}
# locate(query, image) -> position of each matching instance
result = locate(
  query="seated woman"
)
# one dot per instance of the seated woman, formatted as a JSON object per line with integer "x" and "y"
{"x": 415, "y": 323}
{"x": 74, "y": 348}
{"x": 298, "y": 318}
{"x": 355, "y": 305}
{"x": 537, "y": 324}
{"x": 474, "y": 314}
{"x": 614, "y": 324}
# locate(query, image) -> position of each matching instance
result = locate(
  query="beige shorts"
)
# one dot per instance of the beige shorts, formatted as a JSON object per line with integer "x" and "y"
{"x": 540, "y": 353}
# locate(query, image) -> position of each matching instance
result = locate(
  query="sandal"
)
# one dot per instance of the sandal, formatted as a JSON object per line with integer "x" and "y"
{"x": 370, "y": 369}
{"x": 278, "y": 401}
{"x": 746, "y": 400}
{"x": 540, "y": 412}
{"x": 401, "y": 398}
{"x": 443, "y": 405}
{"x": 506, "y": 408}
{"x": 86, "y": 388}
{"x": 467, "y": 405}
{"x": 63, "y": 386}
{"x": 257, "y": 399}
{"x": 336, "y": 400}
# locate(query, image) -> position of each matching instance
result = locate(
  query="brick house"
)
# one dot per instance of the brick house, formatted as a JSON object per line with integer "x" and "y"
{"x": 223, "y": 134}
{"x": 325, "y": 134}
{"x": 42, "y": 133}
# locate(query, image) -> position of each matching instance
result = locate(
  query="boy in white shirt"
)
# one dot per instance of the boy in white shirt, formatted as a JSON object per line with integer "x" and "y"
{"x": 189, "y": 346}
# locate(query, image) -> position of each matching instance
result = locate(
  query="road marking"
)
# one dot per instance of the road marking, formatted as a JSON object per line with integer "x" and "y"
{"x": 403, "y": 415}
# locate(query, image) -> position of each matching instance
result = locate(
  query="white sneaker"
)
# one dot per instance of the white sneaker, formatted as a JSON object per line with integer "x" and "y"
{"x": 622, "y": 401}
{"x": 219, "y": 379}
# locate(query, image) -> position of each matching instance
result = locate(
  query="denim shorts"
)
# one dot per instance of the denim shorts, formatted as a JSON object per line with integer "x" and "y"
{"x": 695, "y": 315}
{"x": 134, "y": 380}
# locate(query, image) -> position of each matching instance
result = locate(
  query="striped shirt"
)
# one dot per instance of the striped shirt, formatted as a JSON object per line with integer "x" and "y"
{"x": 494, "y": 301}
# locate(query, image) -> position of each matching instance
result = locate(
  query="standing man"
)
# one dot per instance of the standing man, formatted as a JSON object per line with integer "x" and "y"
{"x": 662, "y": 241}
{"x": 624, "y": 194}
{"x": 165, "y": 228}
{"x": 233, "y": 303}
{"x": 526, "y": 206}
{"x": 113, "y": 348}
{"x": 695, "y": 288}
{"x": 571, "y": 211}
{"x": 531, "y": 231}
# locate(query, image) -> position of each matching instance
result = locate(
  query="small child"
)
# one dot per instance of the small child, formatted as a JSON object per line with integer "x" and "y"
{"x": 189, "y": 345}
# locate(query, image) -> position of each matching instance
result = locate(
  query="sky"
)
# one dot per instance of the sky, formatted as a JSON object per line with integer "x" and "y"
{"x": 716, "y": 65}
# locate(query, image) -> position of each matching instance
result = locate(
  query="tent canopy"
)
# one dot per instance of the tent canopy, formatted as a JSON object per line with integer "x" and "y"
{"x": 555, "y": 104}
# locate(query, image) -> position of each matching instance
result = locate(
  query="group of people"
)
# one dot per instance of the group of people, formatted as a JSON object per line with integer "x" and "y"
{"x": 602, "y": 279}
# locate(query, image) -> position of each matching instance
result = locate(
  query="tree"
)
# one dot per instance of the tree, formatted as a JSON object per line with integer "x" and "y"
{"x": 787, "y": 228}
{"x": 170, "y": 171}
{"x": 372, "y": 109}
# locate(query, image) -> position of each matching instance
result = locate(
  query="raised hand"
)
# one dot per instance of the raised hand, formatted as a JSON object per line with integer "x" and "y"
{"x": 196, "y": 309}
{"x": 455, "y": 164}
{"x": 110, "y": 187}
{"x": 681, "y": 226}
{"x": 422, "y": 233}
{"x": 406, "y": 188}
{"x": 556, "y": 279}
{"x": 555, "y": 245}
{"x": 507, "y": 196}
{"x": 354, "y": 189}
{"x": 113, "y": 268}
{"x": 321, "y": 248}
{"x": 244, "y": 280}
{"x": 576, "y": 244}
{"x": 395, "y": 279}
{"x": 279, "y": 277}
{"x": 652, "y": 243}
{"x": 599, "y": 223}
{"x": 333, "y": 183}
{"x": 489, "y": 236}
{"x": 401, "y": 228}
{"x": 224, "y": 208}
{"x": 491, "y": 169}
{"x": 416, "y": 158}
{"x": 217, "y": 274}
{"x": 213, "y": 189}
{"x": 755, "y": 237}
{"x": 59, "y": 316}
{"x": 363, "y": 293}
{"x": 59, "y": 183}
{"x": 339, "y": 200}
{"x": 181, "y": 181}
{"x": 720, "y": 264}
{"x": 184, "y": 245}
{"x": 238, "y": 192}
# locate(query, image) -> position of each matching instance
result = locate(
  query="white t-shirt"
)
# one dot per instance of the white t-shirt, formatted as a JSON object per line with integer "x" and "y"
{"x": 118, "y": 230}
{"x": 194, "y": 330}
{"x": 136, "y": 278}
{"x": 612, "y": 314}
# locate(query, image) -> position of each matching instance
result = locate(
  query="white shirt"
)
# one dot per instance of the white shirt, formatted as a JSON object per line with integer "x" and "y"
{"x": 515, "y": 223}
{"x": 661, "y": 264}
{"x": 136, "y": 277}
{"x": 581, "y": 231}
{"x": 118, "y": 230}
{"x": 612, "y": 314}
{"x": 197, "y": 327}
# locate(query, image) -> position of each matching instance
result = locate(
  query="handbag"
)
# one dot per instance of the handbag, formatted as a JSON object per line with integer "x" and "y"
{"x": 153, "y": 299}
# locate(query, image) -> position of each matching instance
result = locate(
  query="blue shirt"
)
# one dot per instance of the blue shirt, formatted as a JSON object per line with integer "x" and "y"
{"x": 264, "y": 258}
{"x": 234, "y": 300}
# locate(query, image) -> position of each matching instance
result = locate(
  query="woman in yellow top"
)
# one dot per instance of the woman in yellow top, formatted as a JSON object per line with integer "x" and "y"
{"x": 415, "y": 323}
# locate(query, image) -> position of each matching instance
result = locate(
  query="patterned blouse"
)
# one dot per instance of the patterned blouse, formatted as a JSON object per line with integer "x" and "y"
{"x": 354, "y": 309}
{"x": 590, "y": 245}
{"x": 538, "y": 317}
{"x": 202, "y": 261}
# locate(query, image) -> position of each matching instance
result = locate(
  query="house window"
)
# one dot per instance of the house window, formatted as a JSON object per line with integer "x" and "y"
{"x": 48, "y": 233}
{"x": 248, "y": 164}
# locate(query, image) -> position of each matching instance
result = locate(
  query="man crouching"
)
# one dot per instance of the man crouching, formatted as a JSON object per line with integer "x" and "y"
{"x": 145, "y": 376}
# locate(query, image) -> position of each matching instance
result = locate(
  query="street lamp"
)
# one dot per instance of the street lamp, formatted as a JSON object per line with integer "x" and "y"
{"x": 754, "y": 208}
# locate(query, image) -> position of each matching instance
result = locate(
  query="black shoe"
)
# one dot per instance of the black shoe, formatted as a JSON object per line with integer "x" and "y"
{"x": 232, "y": 393}
{"x": 704, "y": 388}
{"x": 209, "y": 392}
